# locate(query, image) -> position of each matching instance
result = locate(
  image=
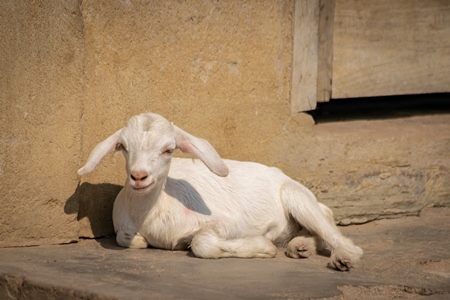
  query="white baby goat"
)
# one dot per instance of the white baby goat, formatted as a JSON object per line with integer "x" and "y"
{"x": 243, "y": 212}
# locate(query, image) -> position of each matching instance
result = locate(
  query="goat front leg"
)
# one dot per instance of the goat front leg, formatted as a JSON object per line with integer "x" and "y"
{"x": 127, "y": 234}
{"x": 131, "y": 239}
{"x": 210, "y": 242}
{"x": 128, "y": 237}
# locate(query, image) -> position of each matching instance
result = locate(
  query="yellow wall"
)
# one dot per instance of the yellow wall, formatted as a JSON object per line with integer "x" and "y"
{"x": 41, "y": 84}
{"x": 72, "y": 74}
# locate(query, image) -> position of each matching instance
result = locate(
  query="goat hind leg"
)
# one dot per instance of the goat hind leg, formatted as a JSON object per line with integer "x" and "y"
{"x": 303, "y": 206}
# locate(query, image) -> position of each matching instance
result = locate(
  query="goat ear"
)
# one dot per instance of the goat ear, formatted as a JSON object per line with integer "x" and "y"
{"x": 201, "y": 149}
{"x": 99, "y": 152}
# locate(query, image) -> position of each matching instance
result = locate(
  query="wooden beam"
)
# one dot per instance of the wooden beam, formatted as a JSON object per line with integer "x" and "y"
{"x": 391, "y": 47}
{"x": 325, "y": 59}
{"x": 305, "y": 55}
{"x": 312, "y": 53}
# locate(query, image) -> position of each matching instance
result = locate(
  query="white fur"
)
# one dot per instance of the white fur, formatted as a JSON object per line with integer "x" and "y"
{"x": 245, "y": 209}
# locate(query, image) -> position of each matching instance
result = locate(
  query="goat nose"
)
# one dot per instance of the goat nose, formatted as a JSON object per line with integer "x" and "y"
{"x": 138, "y": 175}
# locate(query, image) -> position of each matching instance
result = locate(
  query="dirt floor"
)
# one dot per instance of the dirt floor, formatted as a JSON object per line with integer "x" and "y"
{"x": 407, "y": 258}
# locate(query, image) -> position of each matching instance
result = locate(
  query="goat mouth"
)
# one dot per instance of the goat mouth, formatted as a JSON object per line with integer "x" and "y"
{"x": 143, "y": 188}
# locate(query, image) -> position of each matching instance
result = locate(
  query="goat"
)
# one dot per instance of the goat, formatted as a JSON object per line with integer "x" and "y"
{"x": 247, "y": 210}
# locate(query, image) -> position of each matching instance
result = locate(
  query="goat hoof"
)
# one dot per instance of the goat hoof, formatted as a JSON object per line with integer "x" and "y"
{"x": 300, "y": 249}
{"x": 131, "y": 240}
{"x": 342, "y": 264}
{"x": 303, "y": 251}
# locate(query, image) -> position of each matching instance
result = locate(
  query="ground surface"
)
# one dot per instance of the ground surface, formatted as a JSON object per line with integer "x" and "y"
{"x": 405, "y": 258}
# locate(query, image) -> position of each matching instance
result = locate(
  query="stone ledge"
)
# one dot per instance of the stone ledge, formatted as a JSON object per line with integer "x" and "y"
{"x": 397, "y": 261}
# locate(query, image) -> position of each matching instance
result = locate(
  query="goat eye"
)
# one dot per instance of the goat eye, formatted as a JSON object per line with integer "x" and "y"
{"x": 168, "y": 151}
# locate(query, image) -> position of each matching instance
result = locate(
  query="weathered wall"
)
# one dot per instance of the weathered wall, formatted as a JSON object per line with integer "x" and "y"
{"x": 365, "y": 170}
{"x": 41, "y": 63}
{"x": 72, "y": 75}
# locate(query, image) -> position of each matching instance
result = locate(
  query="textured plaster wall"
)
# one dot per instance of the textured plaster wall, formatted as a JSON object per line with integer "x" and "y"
{"x": 72, "y": 73}
{"x": 41, "y": 67}
{"x": 365, "y": 170}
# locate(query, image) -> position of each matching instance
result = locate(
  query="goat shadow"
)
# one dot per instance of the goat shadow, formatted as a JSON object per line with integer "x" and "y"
{"x": 95, "y": 202}
{"x": 187, "y": 195}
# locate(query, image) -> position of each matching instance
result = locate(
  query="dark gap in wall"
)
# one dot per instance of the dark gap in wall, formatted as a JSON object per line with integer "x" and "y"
{"x": 378, "y": 108}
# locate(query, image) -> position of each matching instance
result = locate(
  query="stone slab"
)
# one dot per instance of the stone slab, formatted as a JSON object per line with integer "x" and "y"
{"x": 406, "y": 257}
